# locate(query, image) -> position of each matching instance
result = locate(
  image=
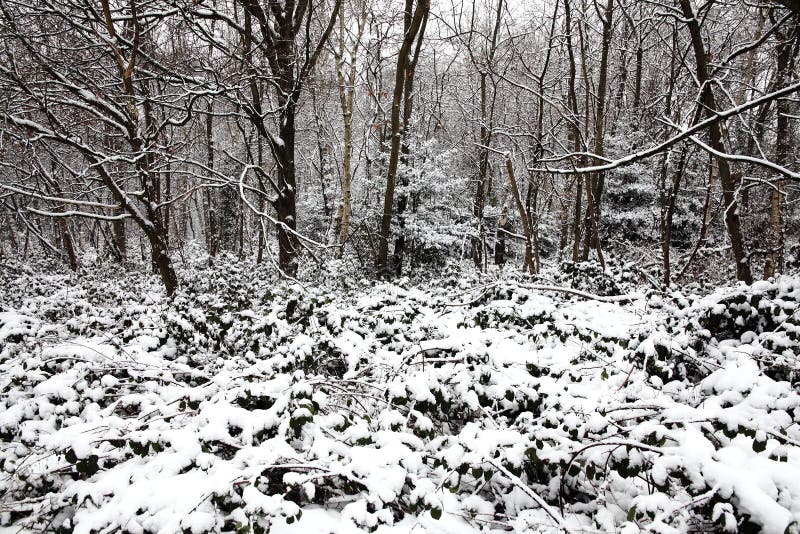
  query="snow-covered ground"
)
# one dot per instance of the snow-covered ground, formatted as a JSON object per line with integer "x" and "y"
{"x": 455, "y": 406}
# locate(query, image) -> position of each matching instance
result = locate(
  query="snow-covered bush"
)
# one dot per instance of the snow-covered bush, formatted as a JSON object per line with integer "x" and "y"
{"x": 616, "y": 279}
{"x": 244, "y": 405}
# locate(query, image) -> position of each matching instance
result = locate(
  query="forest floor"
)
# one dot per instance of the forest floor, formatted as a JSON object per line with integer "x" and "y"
{"x": 574, "y": 402}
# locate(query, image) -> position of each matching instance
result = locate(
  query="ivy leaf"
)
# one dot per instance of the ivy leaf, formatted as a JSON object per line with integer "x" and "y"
{"x": 590, "y": 471}
{"x": 632, "y": 514}
{"x": 88, "y": 466}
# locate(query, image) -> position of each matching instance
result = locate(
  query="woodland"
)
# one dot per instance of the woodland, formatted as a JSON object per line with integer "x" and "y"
{"x": 399, "y": 266}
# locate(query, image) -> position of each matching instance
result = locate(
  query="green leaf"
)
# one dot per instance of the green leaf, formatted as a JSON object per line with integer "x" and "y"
{"x": 88, "y": 466}
{"x": 436, "y": 513}
{"x": 590, "y": 471}
{"x": 632, "y": 513}
{"x": 140, "y": 449}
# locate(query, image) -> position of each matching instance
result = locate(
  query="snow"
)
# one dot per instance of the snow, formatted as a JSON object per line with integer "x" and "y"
{"x": 394, "y": 408}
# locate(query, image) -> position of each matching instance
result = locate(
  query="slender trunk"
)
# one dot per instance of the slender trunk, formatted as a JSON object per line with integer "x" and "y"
{"x": 209, "y": 213}
{"x": 587, "y": 111}
{"x": 26, "y": 247}
{"x": 619, "y": 99}
{"x": 598, "y": 181}
{"x": 702, "y": 237}
{"x": 533, "y": 218}
{"x": 727, "y": 180}
{"x": 120, "y": 238}
{"x": 405, "y": 152}
{"x": 63, "y": 232}
{"x": 66, "y": 242}
{"x": 285, "y": 203}
{"x": 751, "y": 56}
{"x": 666, "y": 223}
{"x": 592, "y": 237}
{"x": 669, "y": 198}
{"x": 346, "y": 100}
{"x": 11, "y": 230}
{"x": 783, "y": 151}
{"x": 261, "y": 206}
{"x": 637, "y": 86}
{"x": 503, "y": 226}
{"x": 572, "y": 96}
{"x": 533, "y": 191}
{"x": 478, "y": 242}
{"x": 168, "y": 195}
{"x": 420, "y": 14}
{"x": 740, "y": 96}
{"x": 344, "y": 225}
{"x": 528, "y": 264}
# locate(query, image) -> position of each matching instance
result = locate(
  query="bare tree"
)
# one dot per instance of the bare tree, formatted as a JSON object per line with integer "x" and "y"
{"x": 88, "y": 75}
{"x": 415, "y": 17}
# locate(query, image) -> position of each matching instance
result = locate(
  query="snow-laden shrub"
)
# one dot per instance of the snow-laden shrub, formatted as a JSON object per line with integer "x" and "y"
{"x": 245, "y": 405}
{"x": 616, "y": 279}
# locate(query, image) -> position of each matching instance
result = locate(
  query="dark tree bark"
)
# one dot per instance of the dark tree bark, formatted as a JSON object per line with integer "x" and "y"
{"x": 420, "y": 14}
{"x": 595, "y": 185}
{"x": 485, "y": 133}
{"x": 572, "y": 98}
{"x": 728, "y": 181}
{"x": 787, "y": 48}
{"x": 120, "y": 241}
{"x": 503, "y": 227}
{"x": 280, "y": 24}
{"x": 405, "y": 153}
{"x": 209, "y": 207}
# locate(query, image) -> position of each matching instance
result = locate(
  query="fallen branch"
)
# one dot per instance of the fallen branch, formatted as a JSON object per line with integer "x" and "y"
{"x": 583, "y": 294}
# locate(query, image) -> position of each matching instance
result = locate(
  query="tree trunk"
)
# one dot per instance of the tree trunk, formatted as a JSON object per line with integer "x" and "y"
{"x": 528, "y": 263}
{"x": 669, "y": 198}
{"x": 503, "y": 227}
{"x": 346, "y": 100}
{"x": 666, "y": 222}
{"x": 420, "y": 14}
{"x": 479, "y": 240}
{"x": 66, "y": 242}
{"x": 209, "y": 213}
{"x": 344, "y": 224}
{"x": 405, "y": 153}
{"x": 783, "y": 151}
{"x": 261, "y": 205}
{"x": 572, "y": 96}
{"x": 285, "y": 203}
{"x": 728, "y": 181}
{"x": 161, "y": 258}
{"x": 594, "y": 196}
{"x": 120, "y": 238}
